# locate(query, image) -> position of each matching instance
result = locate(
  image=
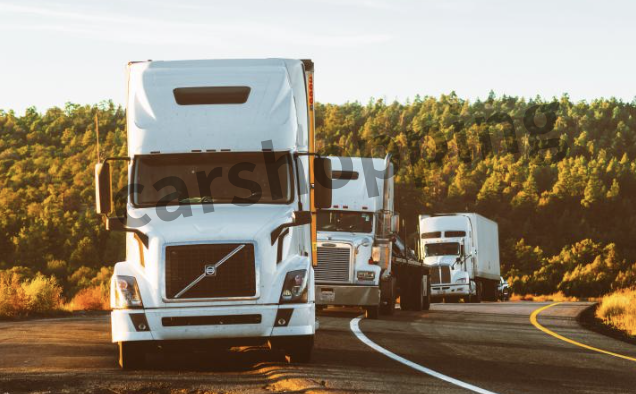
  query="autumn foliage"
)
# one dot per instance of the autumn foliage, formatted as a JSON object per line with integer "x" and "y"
{"x": 559, "y": 177}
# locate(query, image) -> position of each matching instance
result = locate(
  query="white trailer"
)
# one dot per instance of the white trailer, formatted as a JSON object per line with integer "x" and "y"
{"x": 462, "y": 250}
{"x": 361, "y": 261}
{"x": 220, "y": 214}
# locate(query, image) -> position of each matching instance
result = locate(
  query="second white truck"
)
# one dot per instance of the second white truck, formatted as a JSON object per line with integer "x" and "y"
{"x": 462, "y": 250}
{"x": 361, "y": 260}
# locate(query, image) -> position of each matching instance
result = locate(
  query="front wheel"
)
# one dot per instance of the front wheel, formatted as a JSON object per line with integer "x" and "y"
{"x": 476, "y": 299}
{"x": 372, "y": 312}
{"x": 300, "y": 349}
{"x": 131, "y": 355}
{"x": 387, "y": 297}
{"x": 297, "y": 349}
{"x": 417, "y": 292}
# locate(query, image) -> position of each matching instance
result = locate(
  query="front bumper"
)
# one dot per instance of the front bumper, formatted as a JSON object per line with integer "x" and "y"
{"x": 244, "y": 322}
{"x": 446, "y": 289}
{"x": 347, "y": 295}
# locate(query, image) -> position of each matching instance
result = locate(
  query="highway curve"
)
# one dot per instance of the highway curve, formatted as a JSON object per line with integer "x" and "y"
{"x": 453, "y": 348}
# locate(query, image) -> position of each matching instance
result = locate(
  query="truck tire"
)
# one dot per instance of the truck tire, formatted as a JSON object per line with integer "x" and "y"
{"x": 299, "y": 349}
{"x": 131, "y": 355}
{"x": 426, "y": 302}
{"x": 372, "y": 312}
{"x": 388, "y": 299}
{"x": 476, "y": 299}
{"x": 417, "y": 293}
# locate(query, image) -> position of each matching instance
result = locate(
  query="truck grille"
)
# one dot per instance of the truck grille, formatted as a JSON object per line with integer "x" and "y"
{"x": 333, "y": 264}
{"x": 236, "y": 277}
{"x": 440, "y": 274}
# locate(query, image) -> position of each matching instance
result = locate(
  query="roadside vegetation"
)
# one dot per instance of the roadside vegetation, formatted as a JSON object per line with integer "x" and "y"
{"x": 24, "y": 293}
{"x": 566, "y": 215}
{"x": 618, "y": 310}
{"x": 556, "y": 297}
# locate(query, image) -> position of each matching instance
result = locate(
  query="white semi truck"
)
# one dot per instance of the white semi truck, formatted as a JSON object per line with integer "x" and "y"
{"x": 221, "y": 207}
{"x": 361, "y": 260}
{"x": 462, "y": 250}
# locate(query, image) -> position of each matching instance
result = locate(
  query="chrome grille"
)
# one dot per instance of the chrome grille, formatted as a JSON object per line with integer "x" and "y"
{"x": 334, "y": 264}
{"x": 236, "y": 277}
{"x": 445, "y": 271}
{"x": 435, "y": 275}
{"x": 440, "y": 274}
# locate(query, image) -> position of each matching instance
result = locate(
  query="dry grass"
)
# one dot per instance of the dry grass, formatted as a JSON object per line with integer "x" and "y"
{"x": 93, "y": 298}
{"x": 555, "y": 297}
{"x": 619, "y": 310}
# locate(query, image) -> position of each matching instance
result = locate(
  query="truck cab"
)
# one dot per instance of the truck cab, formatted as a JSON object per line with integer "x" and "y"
{"x": 359, "y": 260}
{"x": 220, "y": 209}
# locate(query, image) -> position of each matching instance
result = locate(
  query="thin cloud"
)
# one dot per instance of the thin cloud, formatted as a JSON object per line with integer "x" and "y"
{"x": 126, "y": 29}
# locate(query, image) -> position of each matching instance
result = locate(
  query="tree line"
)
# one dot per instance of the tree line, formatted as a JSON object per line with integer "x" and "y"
{"x": 557, "y": 176}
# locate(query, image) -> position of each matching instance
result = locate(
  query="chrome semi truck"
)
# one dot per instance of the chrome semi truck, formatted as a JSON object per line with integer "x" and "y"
{"x": 361, "y": 260}
{"x": 223, "y": 192}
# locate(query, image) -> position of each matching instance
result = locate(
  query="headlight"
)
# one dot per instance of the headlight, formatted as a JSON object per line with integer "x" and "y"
{"x": 461, "y": 281}
{"x": 366, "y": 275}
{"x": 295, "y": 287}
{"x": 127, "y": 292}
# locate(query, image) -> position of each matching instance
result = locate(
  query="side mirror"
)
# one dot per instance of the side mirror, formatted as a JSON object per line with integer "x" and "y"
{"x": 301, "y": 217}
{"x": 322, "y": 184}
{"x": 115, "y": 223}
{"x": 103, "y": 194}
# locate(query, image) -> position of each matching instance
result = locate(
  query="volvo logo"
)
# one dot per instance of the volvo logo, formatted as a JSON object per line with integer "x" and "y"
{"x": 210, "y": 270}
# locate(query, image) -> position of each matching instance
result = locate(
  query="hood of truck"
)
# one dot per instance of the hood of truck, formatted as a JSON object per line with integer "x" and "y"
{"x": 227, "y": 224}
{"x": 440, "y": 260}
{"x": 353, "y": 238}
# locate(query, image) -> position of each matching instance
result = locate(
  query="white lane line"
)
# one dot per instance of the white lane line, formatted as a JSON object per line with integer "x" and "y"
{"x": 355, "y": 328}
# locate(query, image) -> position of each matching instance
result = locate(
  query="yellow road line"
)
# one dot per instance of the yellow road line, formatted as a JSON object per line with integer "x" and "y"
{"x": 533, "y": 320}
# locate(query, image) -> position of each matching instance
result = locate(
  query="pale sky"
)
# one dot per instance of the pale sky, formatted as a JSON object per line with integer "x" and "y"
{"x": 55, "y": 51}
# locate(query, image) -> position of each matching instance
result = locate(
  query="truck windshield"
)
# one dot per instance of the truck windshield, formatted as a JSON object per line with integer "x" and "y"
{"x": 442, "y": 249}
{"x": 355, "y": 222}
{"x": 219, "y": 177}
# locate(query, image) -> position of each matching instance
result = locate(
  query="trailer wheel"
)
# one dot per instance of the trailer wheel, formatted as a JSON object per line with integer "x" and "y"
{"x": 131, "y": 355}
{"x": 426, "y": 303}
{"x": 372, "y": 312}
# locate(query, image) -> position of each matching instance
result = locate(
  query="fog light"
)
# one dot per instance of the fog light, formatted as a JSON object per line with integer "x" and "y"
{"x": 282, "y": 322}
{"x": 139, "y": 321}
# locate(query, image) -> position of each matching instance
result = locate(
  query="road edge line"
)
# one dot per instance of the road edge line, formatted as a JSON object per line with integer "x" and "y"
{"x": 535, "y": 322}
{"x": 355, "y": 328}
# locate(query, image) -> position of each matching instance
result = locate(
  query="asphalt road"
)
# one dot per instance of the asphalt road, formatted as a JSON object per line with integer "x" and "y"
{"x": 489, "y": 347}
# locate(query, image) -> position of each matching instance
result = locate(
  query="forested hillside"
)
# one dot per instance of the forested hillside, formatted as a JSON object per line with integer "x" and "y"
{"x": 557, "y": 176}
